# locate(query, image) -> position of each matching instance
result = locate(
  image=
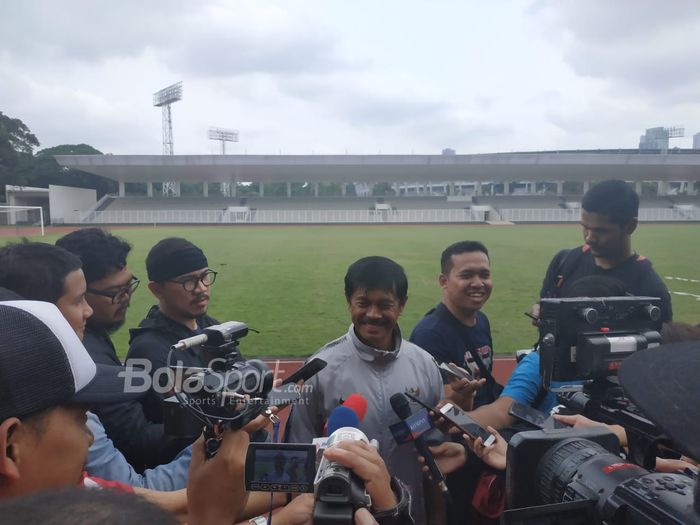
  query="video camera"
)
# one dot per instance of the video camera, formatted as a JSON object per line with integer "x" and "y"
{"x": 292, "y": 467}
{"x": 228, "y": 394}
{"x": 579, "y": 475}
{"x": 584, "y": 338}
{"x": 580, "y": 478}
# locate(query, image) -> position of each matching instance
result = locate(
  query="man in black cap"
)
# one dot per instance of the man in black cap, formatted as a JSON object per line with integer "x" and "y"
{"x": 180, "y": 278}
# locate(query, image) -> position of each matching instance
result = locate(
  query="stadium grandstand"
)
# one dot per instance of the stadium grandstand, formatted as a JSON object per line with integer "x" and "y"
{"x": 544, "y": 186}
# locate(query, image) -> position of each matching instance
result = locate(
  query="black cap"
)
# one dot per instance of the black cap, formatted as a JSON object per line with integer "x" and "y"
{"x": 43, "y": 363}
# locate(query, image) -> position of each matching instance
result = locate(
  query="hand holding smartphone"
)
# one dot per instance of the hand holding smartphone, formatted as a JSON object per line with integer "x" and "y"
{"x": 455, "y": 371}
{"x": 458, "y": 419}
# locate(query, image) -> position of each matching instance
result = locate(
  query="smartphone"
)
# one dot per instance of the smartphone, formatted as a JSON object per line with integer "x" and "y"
{"x": 457, "y": 418}
{"x": 533, "y": 417}
{"x": 455, "y": 371}
{"x": 466, "y": 424}
{"x": 280, "y": 467}
{"x": 307, "y": 371}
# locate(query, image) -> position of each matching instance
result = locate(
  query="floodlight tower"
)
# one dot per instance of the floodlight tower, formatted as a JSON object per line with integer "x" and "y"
{"x": 224, "y": 136}
{"x": 673, "y": 132}
{"x": 163, "y": 99}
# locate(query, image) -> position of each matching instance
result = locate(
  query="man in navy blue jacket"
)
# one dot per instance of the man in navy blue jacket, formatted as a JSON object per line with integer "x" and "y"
{"x": 456, "y": 330}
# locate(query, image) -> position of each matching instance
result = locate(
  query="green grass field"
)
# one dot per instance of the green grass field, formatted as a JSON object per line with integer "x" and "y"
{"x": 287, "y": 282}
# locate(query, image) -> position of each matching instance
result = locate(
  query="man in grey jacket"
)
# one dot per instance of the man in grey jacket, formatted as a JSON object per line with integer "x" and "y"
{"x": 372, "y": 359}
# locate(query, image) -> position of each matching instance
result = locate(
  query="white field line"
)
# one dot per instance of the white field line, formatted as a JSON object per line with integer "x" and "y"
{"x": 697, "y": 297}
{"x": 682, "y": 279}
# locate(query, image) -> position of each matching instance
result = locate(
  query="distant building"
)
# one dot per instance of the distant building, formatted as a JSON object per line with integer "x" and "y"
{"x": 696, "y": 141}
{"x": 654, "y": 138}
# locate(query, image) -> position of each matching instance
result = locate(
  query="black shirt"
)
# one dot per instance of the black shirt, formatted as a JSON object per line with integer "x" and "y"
{"x": 636, "y": 273}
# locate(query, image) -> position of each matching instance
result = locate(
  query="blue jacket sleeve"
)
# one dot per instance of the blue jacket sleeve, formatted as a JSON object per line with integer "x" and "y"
{"x": 526, "y": 382}
{"x": 106, "y": 462}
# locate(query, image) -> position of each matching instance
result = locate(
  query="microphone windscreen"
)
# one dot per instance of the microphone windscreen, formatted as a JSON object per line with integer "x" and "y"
{"x": 342, "y": 416}
{"x": 399, "y": 403}
{"x": 358, "y": 403}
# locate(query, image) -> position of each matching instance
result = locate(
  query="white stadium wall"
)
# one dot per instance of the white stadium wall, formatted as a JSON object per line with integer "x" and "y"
{"x": 66, "y": 204}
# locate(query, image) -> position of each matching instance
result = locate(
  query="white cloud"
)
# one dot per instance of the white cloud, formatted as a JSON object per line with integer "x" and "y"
{"x": 298, "y": 76}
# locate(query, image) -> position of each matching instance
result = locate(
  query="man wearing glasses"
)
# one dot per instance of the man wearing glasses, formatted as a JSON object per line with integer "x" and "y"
{"x": 180, "y": 278}
{"x": 110, "y": 285}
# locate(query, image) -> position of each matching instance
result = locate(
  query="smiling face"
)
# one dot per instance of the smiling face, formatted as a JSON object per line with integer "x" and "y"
{"x": 73, "y": 304}
{"x": 375, "y": 314}
{"x": 467, "y": 286}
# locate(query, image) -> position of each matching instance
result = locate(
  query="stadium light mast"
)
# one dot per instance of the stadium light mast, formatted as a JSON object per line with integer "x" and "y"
{"x": 163, "y": 99}
{"x": 224, "y": 136}
{"x": 673, "y": 132}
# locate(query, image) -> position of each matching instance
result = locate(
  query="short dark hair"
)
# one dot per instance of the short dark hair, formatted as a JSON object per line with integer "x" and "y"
{"x": 101, "y": 253}
{"x": 456, "y": 249}
{"x": 79, "y": 505}
{"x": 376, "y": 273}
{"x": 614, "y": 198}
{"x": 36, "y": 270}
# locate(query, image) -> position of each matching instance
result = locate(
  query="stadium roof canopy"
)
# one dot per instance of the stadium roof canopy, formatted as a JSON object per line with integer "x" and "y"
{"x": 537, "y": 166}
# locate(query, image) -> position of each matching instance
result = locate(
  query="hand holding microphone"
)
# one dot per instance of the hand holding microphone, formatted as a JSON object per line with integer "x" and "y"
{"x": 400, "y": 404}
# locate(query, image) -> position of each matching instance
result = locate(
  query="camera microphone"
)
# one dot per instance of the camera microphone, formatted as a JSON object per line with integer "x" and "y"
{"x": 215, "y": 335}
{"x": 400, "y": 405}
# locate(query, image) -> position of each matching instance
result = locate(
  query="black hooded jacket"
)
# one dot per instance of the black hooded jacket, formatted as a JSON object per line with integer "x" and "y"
{"x": 151, "y": 342}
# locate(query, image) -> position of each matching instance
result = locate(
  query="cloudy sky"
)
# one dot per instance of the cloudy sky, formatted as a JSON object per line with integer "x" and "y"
{"x": 360, "y": 76}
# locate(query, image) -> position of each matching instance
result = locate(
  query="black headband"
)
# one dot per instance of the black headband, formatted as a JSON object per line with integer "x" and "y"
{"x": 180, "y": 262}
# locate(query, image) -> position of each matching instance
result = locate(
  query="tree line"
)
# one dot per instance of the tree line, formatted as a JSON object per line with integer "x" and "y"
{"x": 20, "y": 165}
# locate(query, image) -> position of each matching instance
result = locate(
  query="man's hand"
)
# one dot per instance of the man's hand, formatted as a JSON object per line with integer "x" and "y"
{"x": 495, "y": 454}
{"x": 216, "y": 487}
{"x": 579, "y": 421}
{"x": 298, "y": 512}
{"x": 462, "y": 391}
{"x": 535, "y": 314}
{"x": 363, "y": 517}
{"x": 448, "y": 457}
{"x": 367, "y": 464}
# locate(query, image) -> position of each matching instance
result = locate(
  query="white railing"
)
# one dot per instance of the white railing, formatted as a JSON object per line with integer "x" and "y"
{"x": 363, "y": 216}
{"x": 574, "y": 215}
{"x": 281, "y": 216}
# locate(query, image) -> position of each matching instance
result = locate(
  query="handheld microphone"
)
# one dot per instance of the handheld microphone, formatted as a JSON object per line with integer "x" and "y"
{"x": 214, "y": 335}
{"x": 342, "y": 416}
{"x": 358, "y": 403}
{"x": 355, "y": 402}
{"x": 400, "y": 405}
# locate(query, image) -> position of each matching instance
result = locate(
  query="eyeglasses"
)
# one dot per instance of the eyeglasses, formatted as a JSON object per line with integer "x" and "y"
{"x": 121, "y": 294}
{"x": 190, "y": 283}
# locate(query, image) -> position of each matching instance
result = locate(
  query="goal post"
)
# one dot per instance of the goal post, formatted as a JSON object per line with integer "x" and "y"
{"x": 22, "y": 218}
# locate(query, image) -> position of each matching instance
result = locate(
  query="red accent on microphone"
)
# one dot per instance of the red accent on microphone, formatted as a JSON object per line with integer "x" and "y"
{"x": 358, "y": 403}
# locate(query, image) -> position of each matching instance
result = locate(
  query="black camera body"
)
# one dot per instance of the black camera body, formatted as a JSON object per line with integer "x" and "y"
{"x": 581, "y": 479}
{"x": 228, "y": 394}
{"x": 584, "y": 338}
{"x": 576, "y": 475}
{"x": 339, "y": 492}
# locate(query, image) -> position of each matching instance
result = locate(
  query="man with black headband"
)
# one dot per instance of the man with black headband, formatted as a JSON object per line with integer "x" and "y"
{"x": 180, "y": 278}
